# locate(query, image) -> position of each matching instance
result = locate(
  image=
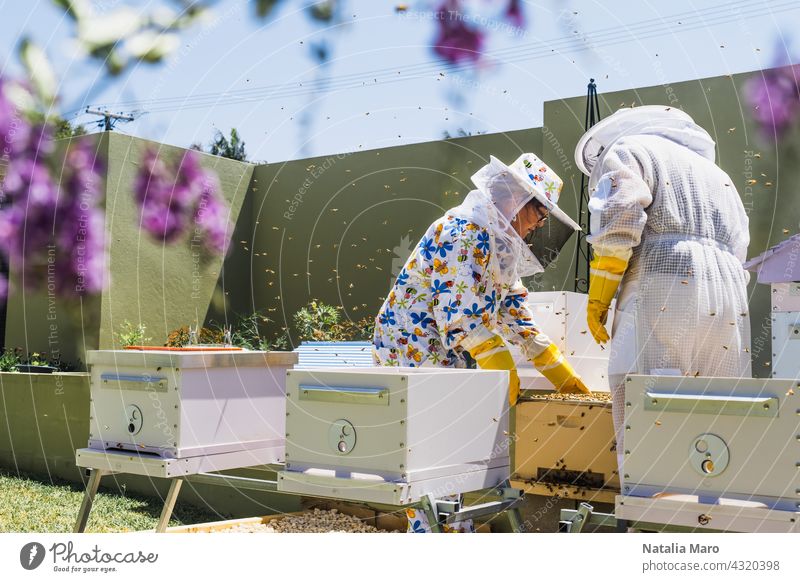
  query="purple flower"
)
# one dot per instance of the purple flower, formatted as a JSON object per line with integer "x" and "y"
{"x": 211, "y": 218}
{"x": 172, "y": 197}
{"x": 514, "y": 13}
{"x": 87, "y": 168}
{"x": 164, "y": 205}
{"x": 14, "y": 129}
{"x": 28, "y": 183}
{"x": 456, "y": 41}
{"x": 774, "y": 96}
{"x": 51, "y": 232}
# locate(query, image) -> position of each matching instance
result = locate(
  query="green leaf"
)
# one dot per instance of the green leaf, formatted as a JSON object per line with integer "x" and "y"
{"x": 165, "y": 18}
{"x": 77, "y": 9}
{"x": 151, "y": 46}
{"x": 20, "y": 96}
{"x": 322, "y": 11}
{"x": 104, "y": 30}
{"x": 264, "y": 7}
{"x": 40, "y": 71}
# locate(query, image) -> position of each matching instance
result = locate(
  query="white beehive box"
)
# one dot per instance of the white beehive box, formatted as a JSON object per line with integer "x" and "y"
{"x": 187, "y": 404}
{"x": 786, "y": 330}
{"x": 394, "y": 435}
{"x": 731, "y": 438}
{"x": 562, "y": 316}
{"x": 778, "y": 266}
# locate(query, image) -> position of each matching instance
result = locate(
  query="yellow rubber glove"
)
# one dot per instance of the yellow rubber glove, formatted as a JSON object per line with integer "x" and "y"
{"x": 493, "y": 354}
{"x": 554, "y": 366}
{"x": 605, "y": 274}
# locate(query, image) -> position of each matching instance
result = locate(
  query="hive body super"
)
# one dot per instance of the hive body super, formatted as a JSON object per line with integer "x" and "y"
{"x": 188, "y": 404}
{"x": 395, "y": 434}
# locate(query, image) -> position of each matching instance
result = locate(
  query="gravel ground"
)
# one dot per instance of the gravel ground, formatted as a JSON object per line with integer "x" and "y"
{"x": 318, "y": 521}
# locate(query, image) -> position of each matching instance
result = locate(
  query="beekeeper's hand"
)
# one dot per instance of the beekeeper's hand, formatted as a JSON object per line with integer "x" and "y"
{"x": 493, "y": 354}
{"x": 554, "y": 366}
{"x": 604, "y": 278}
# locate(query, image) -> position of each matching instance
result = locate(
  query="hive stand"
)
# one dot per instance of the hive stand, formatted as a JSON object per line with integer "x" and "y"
{"x": 104, "y": 463}
{"x": 101, "y": 464}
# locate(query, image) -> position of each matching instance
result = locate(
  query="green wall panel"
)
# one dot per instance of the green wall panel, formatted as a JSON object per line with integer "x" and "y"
{"x": 339, "y": 228}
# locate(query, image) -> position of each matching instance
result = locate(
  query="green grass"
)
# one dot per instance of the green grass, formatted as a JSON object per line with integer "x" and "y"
{"x": 33, "y": 504}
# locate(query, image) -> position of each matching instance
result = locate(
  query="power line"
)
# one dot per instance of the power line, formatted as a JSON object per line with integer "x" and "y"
{"x": 188, "y": 104}
{"x": 642, "y": 30}
{"x": 342, "y": 85}
{"x": 549, "y": 46}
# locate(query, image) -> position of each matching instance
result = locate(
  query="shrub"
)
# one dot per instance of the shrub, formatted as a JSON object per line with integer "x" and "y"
{"x": 317, "y": 322}
{"x": 179, "y": 337}
{"x": 321, "y": 322}
{"x": 131, "y": 335}
{"x": 9, "y": 359}
{"x": 246, "y": 333}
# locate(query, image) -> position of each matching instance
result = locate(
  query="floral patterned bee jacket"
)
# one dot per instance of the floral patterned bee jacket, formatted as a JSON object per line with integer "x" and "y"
{"x": 447, "y": 289}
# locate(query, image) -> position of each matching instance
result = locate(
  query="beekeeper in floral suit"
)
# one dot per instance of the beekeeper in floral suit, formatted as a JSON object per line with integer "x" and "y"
{"x": 460, "y": 290}
{"x": 669, "y": 229}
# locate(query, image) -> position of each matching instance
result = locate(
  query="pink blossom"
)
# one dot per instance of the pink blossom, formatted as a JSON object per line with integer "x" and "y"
{"x": 51, "y": 232}
{"x": 456, "y": 41}
{"x": 514, "y": 13}
{"x": 174, "y": 197}
{"x": 774, "y": 96}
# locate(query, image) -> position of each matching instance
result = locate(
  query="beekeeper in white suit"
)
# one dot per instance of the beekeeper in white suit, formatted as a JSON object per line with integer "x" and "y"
{"x": 669, "y": 229}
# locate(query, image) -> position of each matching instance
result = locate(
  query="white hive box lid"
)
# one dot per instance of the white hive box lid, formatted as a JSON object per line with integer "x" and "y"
{"x": 779, "y": 264}
{"x": 190, "y": 358}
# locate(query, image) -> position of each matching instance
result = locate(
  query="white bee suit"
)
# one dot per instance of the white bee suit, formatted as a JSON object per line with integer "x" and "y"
{"x": 659, "y": 201}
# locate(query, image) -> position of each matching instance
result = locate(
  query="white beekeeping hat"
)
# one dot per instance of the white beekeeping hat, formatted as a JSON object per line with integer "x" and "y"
{"x": 512, "y": 187}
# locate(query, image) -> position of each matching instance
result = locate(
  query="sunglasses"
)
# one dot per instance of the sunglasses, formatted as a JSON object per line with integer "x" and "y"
{"x": 541, "y": 211}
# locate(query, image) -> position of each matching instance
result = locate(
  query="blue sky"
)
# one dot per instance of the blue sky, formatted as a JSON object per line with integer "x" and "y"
{"x": 622, "y": 44}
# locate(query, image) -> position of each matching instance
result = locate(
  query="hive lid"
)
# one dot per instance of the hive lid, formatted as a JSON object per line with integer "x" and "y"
{"x": 188, "y": 358}
{"x": 779, "y": 264}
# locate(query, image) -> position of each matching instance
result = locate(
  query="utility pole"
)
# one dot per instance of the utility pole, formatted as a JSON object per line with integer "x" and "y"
{"x": 109, "y": 120}
{"x": 583, "y": 255}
